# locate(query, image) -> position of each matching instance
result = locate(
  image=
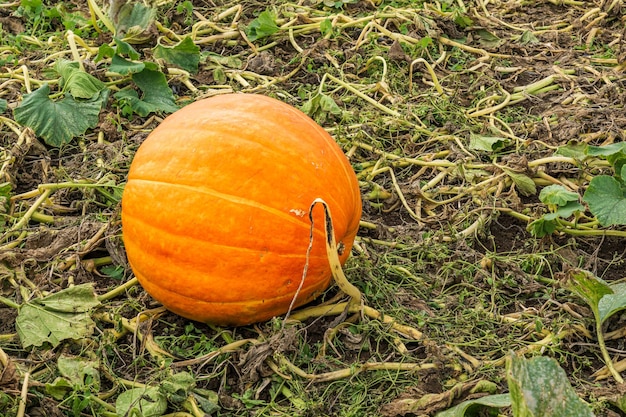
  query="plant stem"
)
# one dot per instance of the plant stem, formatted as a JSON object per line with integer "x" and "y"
{"x": 605, "y": 353}
{"x": 120, "y": 289}
{"x": 9, "y": 303}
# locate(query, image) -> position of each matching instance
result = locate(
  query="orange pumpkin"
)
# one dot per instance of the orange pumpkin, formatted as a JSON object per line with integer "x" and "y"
{"x": 215, "y": 213}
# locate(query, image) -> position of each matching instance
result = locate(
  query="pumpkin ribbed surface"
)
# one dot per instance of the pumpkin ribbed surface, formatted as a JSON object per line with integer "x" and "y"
{"x": 215, "y": 210}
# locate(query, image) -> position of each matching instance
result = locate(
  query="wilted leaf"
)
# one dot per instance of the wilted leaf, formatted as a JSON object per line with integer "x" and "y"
{"x": 80, "y": 372}
{"x": 487, "y": 38}
{"x": 588, "y": 287}
{"x": 487, "y": 143}
{"x": 59, "y": 388}
{"x": 57, "y": 317}
{"x": 185, "y": 54}
{"x": 471, "y": 407}
{"x": 525, "y": 185}
{"x": 77, "y": 299}
{"x": 539, "y": 388}
{"x": 132, "y": 22}
{"x": 124, "y": 48}
{"x": 79, "y": 83}
{"x": 145, "y": 402}
{"x": 319, "y": 106}
{"x": 36, "y": 326}
{"x": 57, "y": 122}
{"x": 207, "y": 400}
{"x": 527, "y": 38}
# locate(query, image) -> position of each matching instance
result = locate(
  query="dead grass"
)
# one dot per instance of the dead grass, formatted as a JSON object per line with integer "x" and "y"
{"x": 443, "y": 246}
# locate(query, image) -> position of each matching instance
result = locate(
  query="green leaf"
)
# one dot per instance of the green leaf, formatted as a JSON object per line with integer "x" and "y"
{"x": 487, "y": 143}
{"x": 326, "y": 27}
{"x": 57, "y": 122}
{"x": 606, "y": 150}
{"x": 3, "y": 105}
{"x": 123, "y": 66}
{"x": 59, "y": 388}
{"x": 525, "y": 185}
{"x": 606, "y": 197}
{"x": 574, "y": 150}
{"x": 610, "y": 304}
{"x": 124, "y": 48}
{"x": 113, "y": 271}
{"x": 155, "y": 88}
{"x": 57, "y": 317}
{"x": 542, "y": 227}
{"x": 79, "y": 83}
{"x": 539, "y": 388}
{"x": 104, "y": 51}
{"x": 557, "y": 195}
{"x": 207, "y": 400}
{"x": 262, "y": 27}
{"x": 527, "y": 38}
{"x": 157, "y": 95}
{"x": 565, "y": 211}
{"x": 472, "y": 407}
{"x": 145, "y": 402}
{"x": 185, "y": 54}
{"x": 177, "y": 387}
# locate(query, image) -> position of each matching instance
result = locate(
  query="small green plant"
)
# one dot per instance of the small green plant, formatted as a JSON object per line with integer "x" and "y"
{"x": 605, "y": 196}
{"x": 604, "y": 299}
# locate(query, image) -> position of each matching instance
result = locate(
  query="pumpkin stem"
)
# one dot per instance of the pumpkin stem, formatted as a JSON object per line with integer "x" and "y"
{"x": 333, "y": 254}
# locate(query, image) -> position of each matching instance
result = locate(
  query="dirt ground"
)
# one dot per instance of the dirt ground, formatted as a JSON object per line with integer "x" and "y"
{"x": 466, "y": 273}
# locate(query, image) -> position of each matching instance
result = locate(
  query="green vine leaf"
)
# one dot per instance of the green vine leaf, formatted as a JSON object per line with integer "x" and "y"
{"x": 124, "y": 66}
{"x": 58, "y": 122}
{"x": 262, "y": 27}
{"x": 606, "y": 197}
{"x": 185, "y": 54}
{"x": 613, "y": 303}
{"x": 156, "y": 94}
{"x": 557, "y": 195}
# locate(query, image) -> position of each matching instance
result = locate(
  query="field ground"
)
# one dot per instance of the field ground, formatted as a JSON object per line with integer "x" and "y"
{"x": 454, "y": 114}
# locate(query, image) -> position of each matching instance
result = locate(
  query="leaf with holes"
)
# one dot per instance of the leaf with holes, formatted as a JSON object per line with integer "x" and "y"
{"x": 57, "y": 317}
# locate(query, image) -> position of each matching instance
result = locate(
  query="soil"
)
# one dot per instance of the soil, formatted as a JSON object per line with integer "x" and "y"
{"x": 87, "y": 228}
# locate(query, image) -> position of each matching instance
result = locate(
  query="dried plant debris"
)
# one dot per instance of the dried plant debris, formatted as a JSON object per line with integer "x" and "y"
{"x": 488, "y": 140}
